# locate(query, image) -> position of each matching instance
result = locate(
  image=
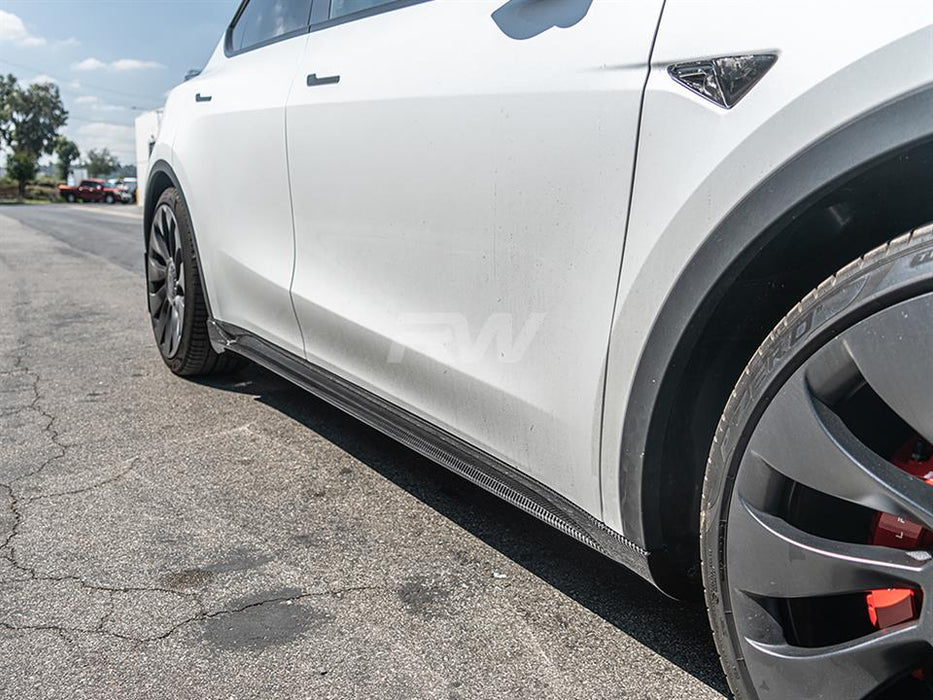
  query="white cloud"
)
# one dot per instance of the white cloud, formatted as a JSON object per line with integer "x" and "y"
{"x": 97, "y": 104}
{"x": 12, "y": 30}
{"x": 89, "y": 64}
{"x": 43, "y": 78}
{"x": 69, "y": 42}
{"x": 134, "y": 64}
{"x": 74, "y": 85}
{"x": 122, "y": 64}
{"x": 120, "y": 139}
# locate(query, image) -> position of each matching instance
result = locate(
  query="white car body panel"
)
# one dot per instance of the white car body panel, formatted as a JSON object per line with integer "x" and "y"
{"x": 242, "y": 210}
{"x": 460, "y": 201}
{"x": 697, "y": 161}
{"x": 431, "y": 201}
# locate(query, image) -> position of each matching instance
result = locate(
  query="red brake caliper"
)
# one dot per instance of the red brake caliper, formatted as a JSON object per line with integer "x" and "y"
{"x": 891, "y": 606}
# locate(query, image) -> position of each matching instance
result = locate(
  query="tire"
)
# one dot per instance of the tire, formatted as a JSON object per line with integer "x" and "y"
{"x": 170, "y": 256}
{"x": 109, "y": 199}
{"x": 801, "y": 465}
{"x": 70, "y": 199}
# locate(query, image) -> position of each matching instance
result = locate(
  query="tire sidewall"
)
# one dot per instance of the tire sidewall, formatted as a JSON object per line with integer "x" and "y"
{"x": 173, "y": 200}
{"x": 899, "y": 271}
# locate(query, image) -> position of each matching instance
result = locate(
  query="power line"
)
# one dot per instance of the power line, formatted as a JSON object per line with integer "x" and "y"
{"x": 64, "y": 82}
{"x": 71, "y": 117}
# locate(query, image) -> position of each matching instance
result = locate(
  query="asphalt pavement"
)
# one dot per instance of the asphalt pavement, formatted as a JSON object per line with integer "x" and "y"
{"x": 238, "y": 538}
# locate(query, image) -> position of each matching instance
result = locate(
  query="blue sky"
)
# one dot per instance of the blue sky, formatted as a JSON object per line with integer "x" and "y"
{"x": 109, "y": 56}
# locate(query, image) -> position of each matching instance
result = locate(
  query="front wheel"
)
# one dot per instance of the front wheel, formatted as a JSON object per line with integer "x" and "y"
{"x": 109, "y": 199}
{"x": 176, "y": 299}
{"x": 817, "y": 510}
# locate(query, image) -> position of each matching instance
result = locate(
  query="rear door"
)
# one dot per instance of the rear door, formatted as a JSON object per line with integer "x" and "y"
{"x": 460, "y": 176}
{"x": 89, "y": 191}
{"x": 231, "y": 159}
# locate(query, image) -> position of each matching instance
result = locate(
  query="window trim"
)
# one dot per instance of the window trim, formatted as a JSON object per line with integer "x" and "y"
{"x": 317, "y": 20}
{"x": 230, "y": 52}
{"x": 320, "y": 11}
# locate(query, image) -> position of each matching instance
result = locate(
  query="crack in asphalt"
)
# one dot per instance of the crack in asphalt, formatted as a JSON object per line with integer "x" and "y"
{"x": 36, "y": 405}
{"x": 91, "y": 487}
{"x": 202, "y": 616}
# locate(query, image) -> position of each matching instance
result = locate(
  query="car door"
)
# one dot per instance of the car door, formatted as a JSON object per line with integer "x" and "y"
{"x": 231, "y": 161}
{"x": 89, "y": 191}
{"x": 460, "y": 176}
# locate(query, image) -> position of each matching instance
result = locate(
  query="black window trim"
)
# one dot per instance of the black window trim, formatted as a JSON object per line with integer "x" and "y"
{"x": 230, "y": 52}
{"x": 318, "y": 20}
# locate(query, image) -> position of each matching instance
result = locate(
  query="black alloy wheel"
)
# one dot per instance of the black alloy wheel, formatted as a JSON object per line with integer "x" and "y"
{"x": 177, "y": 303}
{"x": 817, "y": 513}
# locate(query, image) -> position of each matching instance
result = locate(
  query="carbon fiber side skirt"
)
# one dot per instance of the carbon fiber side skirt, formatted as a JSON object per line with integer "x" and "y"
{"x": 436, "y": 444}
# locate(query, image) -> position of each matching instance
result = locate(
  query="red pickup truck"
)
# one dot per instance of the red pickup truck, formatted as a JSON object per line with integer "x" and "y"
{"x": 93, "y": 191}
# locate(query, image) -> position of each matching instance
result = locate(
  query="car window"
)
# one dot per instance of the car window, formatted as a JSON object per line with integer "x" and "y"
{"x": 342, "y": 8}
{"x": 264, "y": 20}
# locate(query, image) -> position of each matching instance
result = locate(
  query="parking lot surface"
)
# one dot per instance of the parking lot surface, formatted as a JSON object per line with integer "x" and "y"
{"x": 238, "y": 538}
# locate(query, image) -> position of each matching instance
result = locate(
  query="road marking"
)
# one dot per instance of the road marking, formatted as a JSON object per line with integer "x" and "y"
{"x": 99, "y": 209}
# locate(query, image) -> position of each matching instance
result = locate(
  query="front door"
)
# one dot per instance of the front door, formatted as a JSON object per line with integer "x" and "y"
{"x": 460, "y": 176}
{"x": 232, "y": 164}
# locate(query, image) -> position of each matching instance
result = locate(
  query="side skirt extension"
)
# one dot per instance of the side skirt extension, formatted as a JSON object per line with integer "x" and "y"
{"x": 437, "y": 445}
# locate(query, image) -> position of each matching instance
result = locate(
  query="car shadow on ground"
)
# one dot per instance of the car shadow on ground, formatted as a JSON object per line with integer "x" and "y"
{"x": 678, "y": 631}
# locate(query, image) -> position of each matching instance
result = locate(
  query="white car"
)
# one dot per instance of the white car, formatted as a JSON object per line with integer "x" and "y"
{"x": 545, "y": 243}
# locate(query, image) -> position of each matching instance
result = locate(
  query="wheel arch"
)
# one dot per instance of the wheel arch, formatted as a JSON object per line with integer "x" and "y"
{"x": 849, "y": 192}
{"x": 161, "y": 177}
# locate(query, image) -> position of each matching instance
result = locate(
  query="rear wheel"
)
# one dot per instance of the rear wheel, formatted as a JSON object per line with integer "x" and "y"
{"x": 817, "y": 513}
{"x": 109, "y": 199}
{"x": 70, "y": 198}
{"x": 176, "y": 299}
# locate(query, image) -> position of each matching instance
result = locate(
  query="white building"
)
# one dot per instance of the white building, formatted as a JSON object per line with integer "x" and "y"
{"x": 147, "y": 130}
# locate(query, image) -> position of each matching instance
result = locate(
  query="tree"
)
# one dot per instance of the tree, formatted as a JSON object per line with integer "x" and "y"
{"x": 7, "y": 87}
{"x": 67, "y": 152}
{"x": 22, "y": 167}
{"x": 29, "y": 122}
{"x": 38, "y": 114}
{"x": 101, "y": 162}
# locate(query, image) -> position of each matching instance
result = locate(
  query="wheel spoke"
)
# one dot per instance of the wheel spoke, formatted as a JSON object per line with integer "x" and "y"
{"x": 173, "y": 232}
{"x": 894, "y": 352}
{"x": 172, "y": 331}
{"x": 161, "y": 321}
{"x": 156, "y": 270}
{"x": 770, "y": 557}
{"x": 165, "y": 229}
{"x": 803, "y": 439}
{"x": 156, "y": 299}
{"x": 850, "y": 670}
{"x": 180, "y": 274}
{"x": 157, "y": 244}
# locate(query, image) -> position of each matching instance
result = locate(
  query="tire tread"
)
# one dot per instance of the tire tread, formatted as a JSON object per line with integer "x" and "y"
{"x": 860, "y": 266}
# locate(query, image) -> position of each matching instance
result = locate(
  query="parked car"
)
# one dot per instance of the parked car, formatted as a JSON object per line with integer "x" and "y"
{"x": 124, "y": 194}
{"x": 130, "y": 184}
{"x": 656, "y": 273}
{"x": 93, "y": 190}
